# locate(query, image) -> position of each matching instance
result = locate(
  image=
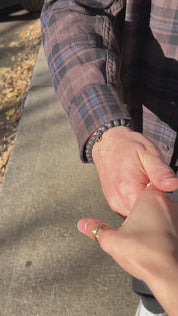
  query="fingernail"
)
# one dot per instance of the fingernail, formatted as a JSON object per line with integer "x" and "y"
{"x": 83, "y": 224}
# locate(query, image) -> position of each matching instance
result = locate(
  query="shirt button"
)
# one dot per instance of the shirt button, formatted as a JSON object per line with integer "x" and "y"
{"x": 165, "y": 148}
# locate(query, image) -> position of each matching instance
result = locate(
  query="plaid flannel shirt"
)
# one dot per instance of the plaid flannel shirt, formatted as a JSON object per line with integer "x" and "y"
{"x": 112, "y": 59}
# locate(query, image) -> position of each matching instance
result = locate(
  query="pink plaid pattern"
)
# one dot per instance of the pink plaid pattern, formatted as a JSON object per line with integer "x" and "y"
{"x": 109, "y": 57}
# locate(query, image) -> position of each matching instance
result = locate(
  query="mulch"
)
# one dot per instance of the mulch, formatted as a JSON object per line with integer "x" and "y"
{"x": 14, "y": 86}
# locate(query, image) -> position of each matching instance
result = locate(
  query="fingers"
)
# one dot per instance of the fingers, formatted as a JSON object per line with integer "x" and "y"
{"x": 125, "y": 168}
{"x": 161, "y": 175}
{"x": 88, "y": 225}
{"x": 98, "y": 230}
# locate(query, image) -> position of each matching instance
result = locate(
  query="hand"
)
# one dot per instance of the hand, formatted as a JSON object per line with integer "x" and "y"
{"x": 146, "y": 245}
{"x": 126, "y": 162}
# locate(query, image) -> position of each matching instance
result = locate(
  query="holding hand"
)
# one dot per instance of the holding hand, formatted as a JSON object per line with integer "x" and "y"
{"x": 126, "y": 162}
{"x": 146, "y": 245}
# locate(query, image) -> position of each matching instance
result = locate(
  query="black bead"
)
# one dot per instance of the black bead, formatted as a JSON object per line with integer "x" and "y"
{"x": 128, "y": 124}
{"x": 104, "y": 129}
{"x": 110, "y": 124}
{"x": 123, "y": 122}
{"x": 93, "y": 139}
{"x": 99, "y": 133}
{"x": 116, "y": 122}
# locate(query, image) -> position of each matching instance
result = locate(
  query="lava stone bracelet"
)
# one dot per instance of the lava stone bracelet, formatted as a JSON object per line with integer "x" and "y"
{"x": 98, "y": 135}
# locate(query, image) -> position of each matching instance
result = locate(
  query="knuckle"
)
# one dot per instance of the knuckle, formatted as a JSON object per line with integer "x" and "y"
{"x": 113, "y": 203}
{"x": 122, "y": 190}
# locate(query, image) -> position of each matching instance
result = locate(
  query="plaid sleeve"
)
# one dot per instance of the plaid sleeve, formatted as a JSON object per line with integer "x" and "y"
{"x": 84, "y": 62}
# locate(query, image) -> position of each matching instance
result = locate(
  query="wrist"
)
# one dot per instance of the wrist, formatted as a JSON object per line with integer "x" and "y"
{"x": 100, "y": 133}
{"x": 164, "y": 286}
{"x": 110, "y": 141}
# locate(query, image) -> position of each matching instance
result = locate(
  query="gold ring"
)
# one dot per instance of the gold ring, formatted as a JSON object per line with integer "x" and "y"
{"x": 95, "y": 232}
{"x": 96, "y": 229}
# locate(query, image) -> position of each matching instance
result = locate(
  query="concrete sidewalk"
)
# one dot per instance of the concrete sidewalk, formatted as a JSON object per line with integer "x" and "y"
{"x": 46, "y": 266}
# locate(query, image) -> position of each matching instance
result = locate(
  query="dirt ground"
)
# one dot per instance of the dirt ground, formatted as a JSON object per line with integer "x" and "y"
{"x": 20, "y": 42}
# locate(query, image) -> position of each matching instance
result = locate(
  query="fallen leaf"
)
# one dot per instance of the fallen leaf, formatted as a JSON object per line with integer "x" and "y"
{"x": 10, "y": 112}
{"x": 7, "y": 91}
{"x": 5, "y": 157}
{"x": 22, "y": 35}
{"x": 14, "y": 44}
{"x": 11, "y": 95}
{"x": 3, "y": 70}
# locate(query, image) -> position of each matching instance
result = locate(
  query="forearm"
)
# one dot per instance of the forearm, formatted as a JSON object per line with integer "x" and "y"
{"x": 165, "y": 289}
{"x": 83, "y": 57}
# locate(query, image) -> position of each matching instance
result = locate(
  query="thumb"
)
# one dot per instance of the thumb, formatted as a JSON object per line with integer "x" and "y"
{"x": 99, "y": 231}
{"x": 160, "y": 174}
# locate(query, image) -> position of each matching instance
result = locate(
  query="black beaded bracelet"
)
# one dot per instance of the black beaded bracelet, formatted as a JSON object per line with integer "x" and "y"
{"x": 97, "y": 137}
